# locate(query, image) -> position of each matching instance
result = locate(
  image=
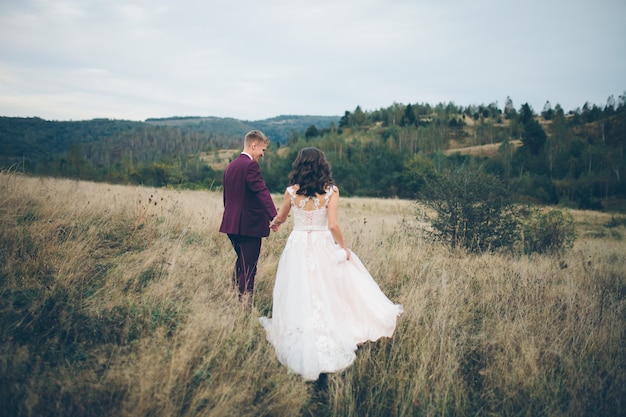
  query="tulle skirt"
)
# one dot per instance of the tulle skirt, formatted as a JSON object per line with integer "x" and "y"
{"x": 324, "y": 306}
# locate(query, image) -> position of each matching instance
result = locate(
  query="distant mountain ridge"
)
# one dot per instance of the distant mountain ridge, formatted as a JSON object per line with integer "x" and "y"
{"x": 278, "y": 128}
{"x": 32, "y": 140}
{"x": 36, "y": 139}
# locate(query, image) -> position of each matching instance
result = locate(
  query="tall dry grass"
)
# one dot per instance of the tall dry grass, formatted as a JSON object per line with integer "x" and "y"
{"x": 116, "y": 301}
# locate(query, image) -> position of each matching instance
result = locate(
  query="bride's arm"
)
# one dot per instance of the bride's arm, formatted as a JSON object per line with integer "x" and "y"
{"x": 333, "y": 221}
{"x": 283, "y": 212}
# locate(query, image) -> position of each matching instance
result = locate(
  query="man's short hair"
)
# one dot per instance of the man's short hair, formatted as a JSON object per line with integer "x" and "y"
{"x": 256, "y": 135}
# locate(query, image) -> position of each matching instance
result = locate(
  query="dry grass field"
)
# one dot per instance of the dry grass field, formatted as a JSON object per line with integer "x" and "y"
{"x": 116, "y": 301}
{"x": 490, "y": 149}
{"x": 219, "y": 159}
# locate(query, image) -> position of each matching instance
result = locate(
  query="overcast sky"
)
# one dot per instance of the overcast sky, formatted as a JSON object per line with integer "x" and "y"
{"x": 256, "y": 59}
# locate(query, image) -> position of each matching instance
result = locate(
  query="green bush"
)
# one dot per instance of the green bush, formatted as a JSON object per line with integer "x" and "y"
{"x": 548, "y": 231}
{"x": 474, "y": 210}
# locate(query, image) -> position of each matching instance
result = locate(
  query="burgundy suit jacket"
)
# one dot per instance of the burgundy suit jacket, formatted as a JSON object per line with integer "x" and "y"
{"x": 248, "y": 206}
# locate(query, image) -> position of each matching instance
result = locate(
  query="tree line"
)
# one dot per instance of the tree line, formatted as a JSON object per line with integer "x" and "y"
{"x": 575, "y": 158}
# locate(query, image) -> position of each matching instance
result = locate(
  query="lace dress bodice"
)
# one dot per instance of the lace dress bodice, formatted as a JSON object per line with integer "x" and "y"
{"x": 310, "y": 213}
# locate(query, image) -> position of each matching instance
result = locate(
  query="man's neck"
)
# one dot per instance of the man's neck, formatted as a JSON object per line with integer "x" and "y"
{"x": 247, "y": 154}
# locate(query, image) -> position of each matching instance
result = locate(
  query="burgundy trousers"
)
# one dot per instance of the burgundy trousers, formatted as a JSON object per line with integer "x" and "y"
{"x": 247, "y": 249}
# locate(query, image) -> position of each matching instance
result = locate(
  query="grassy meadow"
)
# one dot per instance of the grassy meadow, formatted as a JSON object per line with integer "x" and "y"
{"x": 116, "y": 301}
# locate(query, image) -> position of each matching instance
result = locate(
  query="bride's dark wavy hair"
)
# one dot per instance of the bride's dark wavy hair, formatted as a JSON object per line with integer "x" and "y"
{"x": 311, "y": 171}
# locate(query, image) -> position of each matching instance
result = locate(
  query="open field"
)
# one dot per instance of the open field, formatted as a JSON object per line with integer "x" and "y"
{"x": 116, "y": 302}
{"x": 490, "y": 149}
{"x": 218, "y": 159}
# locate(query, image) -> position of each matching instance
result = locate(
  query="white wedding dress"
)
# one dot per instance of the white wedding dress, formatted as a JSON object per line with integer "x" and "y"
{"x": 323, "y": 305}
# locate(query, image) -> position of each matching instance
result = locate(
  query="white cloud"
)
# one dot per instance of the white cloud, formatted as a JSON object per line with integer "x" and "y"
{"x": 252, "y": 60}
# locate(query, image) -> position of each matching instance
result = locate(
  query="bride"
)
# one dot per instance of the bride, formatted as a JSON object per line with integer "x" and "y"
{"x": 325, "y": 302}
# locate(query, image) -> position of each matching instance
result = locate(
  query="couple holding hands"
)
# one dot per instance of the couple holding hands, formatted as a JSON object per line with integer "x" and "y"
{"x": 325, "y": 302}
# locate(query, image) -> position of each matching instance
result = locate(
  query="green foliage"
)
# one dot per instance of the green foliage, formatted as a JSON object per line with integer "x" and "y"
{"x": 311, "y": 132}
{"x": 409, "y": 118}
{"x": 32, "y": 141}
{"x": 576, "y": 159}
{"x": 533, "y": 136}
{"x": 549, "y": 231}
{"x": 536, "y": 188}
{"x": 159, "y": 152}
{"x": 526, "y": 114}
{"x": 509, "y": 109}
{"x": 278, "y": 129}
{"x": 547, "y": 112}
{"x": 417, "y": 171}
{"x": 473, "y": 210}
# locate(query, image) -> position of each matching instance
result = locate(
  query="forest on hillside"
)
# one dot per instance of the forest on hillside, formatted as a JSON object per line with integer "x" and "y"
{"x": 573, "y": 158}
{"x": 576, "y": 159}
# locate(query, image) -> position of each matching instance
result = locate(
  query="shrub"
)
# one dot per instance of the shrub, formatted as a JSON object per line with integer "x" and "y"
{"x": 473, "y": 210}
{"x": 548, "y": 231}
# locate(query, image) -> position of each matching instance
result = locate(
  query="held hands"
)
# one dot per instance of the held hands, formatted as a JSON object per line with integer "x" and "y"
{"x": 275, "y": 225}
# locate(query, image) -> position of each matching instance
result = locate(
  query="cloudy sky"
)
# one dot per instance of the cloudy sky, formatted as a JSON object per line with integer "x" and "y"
{"x": 251, "y": 59}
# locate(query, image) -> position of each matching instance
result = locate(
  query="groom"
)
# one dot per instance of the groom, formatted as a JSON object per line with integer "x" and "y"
{"x": 248, "y": 210}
